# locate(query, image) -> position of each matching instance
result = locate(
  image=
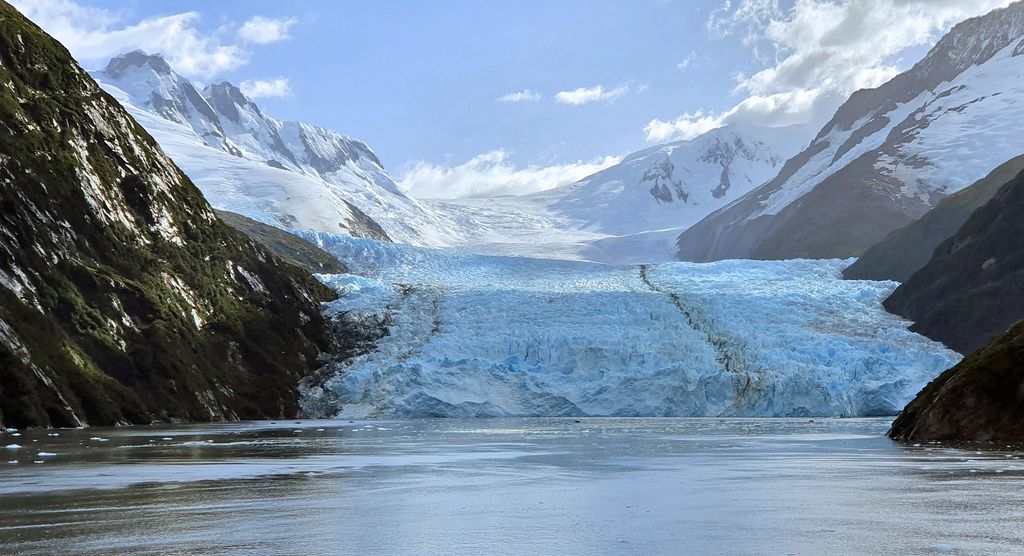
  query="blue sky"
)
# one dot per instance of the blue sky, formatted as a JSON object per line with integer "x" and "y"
{"x": 421, "y": 82}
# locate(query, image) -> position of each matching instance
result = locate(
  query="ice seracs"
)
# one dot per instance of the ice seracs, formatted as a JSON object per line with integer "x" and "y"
{"x": 473, "y": 335}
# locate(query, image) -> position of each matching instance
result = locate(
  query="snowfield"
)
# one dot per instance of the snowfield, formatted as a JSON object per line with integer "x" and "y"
{"x": 473, "y": 335}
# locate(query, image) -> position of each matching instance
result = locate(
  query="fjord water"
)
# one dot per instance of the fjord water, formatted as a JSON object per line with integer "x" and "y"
{"x": 507, "y": 486}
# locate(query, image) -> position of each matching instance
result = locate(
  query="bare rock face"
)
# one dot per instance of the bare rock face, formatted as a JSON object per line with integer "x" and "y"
{"x": 981, "y": 399}
{"x": 973, "y": 287}
{"x": 907, "y": 250}
{"x": 887, "y": 156}
{"x": 289, "y": 247}
{"x": 123, "y": 299}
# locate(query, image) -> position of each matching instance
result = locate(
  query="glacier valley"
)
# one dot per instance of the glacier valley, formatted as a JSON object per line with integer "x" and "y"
{"x": 476, "y": 335}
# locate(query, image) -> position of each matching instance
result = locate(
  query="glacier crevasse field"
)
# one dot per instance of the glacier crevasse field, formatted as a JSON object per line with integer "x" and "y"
{"x": 475, "y": 335}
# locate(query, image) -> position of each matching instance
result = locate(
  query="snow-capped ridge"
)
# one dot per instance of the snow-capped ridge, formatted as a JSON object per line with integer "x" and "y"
{"x": 223, "y": 117}
{"x": 887, "y": 155}
{"x": 672, "y": 186}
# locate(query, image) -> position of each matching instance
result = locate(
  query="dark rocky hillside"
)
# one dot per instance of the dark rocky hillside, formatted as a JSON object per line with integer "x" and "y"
{"x": 981, "y": 399}
{"x": 289, "y": 247}
{"x": 905, "y": 251}
{"x": 972, "y": 289}
{"x": 123, "y": 299}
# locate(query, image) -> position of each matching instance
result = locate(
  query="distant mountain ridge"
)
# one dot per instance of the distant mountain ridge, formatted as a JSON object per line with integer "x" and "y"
{"x": 676, "y": 184}
{"x": 887, "y": 156}
{"x": 222, "y": 117}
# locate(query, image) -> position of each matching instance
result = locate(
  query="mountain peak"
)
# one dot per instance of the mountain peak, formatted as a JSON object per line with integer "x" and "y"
{"x": 136, "y": 59}
{"x": 227, "y": 99}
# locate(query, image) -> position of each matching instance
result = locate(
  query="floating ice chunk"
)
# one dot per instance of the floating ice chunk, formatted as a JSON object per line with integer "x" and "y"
{"x": 14, "y": 446}
{"x": 53, "y": 434}
{"x": 46, "y": 454}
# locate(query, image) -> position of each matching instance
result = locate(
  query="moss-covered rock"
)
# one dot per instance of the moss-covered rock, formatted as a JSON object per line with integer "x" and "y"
{"x": 123, "y": 299}
{"x": 981, "y": 399}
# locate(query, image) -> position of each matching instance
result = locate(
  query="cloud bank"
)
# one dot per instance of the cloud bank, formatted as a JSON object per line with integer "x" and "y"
{"x": 264, "y": 30}
{"x": 491, "y": 174}
{"x": 270, "y": 88}
{"x": 95, "y": 35}
{"x": 525, "y": 95}
{"x": 586, "y": 95}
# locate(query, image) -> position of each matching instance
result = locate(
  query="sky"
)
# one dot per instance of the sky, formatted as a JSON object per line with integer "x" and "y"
{"x": 462, "y": 98}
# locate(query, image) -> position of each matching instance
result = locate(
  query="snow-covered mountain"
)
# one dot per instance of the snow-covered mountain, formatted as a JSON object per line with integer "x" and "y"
{"x": 342, "y": 175}
{"x": 673, "y": 186}
{"x": 633, "y": 211}
{"x": 888, "y": 155}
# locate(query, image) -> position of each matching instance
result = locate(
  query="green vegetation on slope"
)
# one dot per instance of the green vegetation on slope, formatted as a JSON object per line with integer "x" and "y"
{"x": 981, "y": 399}
{"x": 123, "y": 299}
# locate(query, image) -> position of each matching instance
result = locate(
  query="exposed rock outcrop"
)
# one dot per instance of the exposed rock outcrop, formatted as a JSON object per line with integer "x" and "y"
{"x": 123, "y": 299}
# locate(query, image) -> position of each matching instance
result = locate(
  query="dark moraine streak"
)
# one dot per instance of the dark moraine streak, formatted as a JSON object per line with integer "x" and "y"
{"x": 981, "y": 399}
{"x": 123, "y": 299}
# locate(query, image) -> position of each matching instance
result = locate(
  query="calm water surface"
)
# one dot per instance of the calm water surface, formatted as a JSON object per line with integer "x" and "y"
{"x": 507, "y": 486}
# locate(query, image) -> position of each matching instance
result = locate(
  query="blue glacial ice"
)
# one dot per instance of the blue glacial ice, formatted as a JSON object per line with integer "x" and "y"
{"x": 474, "y": 335}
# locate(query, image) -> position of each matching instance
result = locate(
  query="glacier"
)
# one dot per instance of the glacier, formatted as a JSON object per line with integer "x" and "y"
{"x": 478, "y": 335}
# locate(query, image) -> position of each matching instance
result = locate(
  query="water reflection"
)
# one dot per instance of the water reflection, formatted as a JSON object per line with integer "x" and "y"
{"x": 507, "y": 486}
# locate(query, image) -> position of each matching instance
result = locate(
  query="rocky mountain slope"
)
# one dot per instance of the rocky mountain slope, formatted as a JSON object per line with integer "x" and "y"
{"x": 123, "y": 299}
{"x": 306, "y": 176}
{"x": 905, "y": 251}
{"x": 673, "y": 186}
{"x": 289, "y": 247}
{"x": 981, "y": 399}
{"x": 887, "y": 156}
{"x": 973, "y": 287}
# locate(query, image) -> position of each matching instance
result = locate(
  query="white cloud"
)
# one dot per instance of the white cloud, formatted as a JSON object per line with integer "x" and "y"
{"x": 585, "y": 95}
{"x": 817, "y": 53}
{"x": 688, "y": 61}
{"x": 264, "y": 30}
{"x": 492, "y": 174}
{"x": 687, "y": 126}
{"x": 94, "y": 35}
{"x": 525, "y": 95}
{"x": 278, "y": 88}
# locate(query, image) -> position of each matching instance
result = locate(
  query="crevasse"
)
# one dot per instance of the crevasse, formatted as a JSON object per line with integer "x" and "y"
{"x": 473, "y": 335}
